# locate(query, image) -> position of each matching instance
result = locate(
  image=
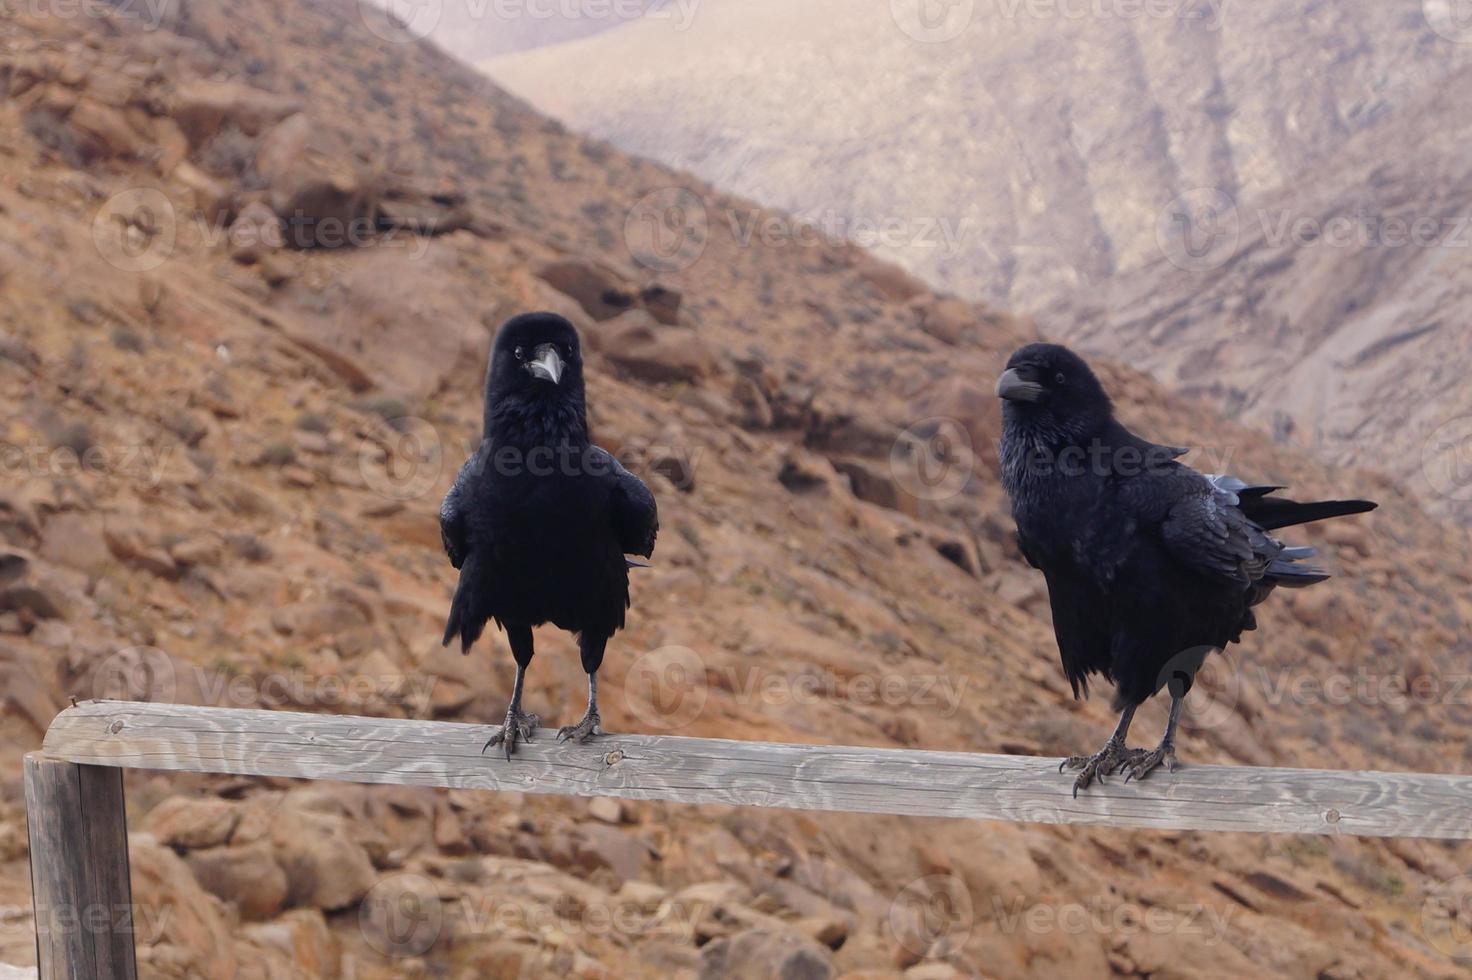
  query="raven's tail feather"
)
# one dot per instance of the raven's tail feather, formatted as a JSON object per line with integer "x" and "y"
{"x": 468, "y": 614}
{"x": 1271, "y": 513}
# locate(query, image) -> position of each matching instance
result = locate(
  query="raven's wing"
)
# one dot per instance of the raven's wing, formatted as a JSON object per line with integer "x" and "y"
{"x": 1207, "y": 531}
{"x": 635, "y": 515}
{"x": 454, "y": 523}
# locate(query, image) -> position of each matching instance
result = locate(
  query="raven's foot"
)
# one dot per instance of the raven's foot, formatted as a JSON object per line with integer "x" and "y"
{"x": 583, "y": 730}
{"x": 1164, "y": 755}
{"x": 518, "y": 728}
{"x": 1111, "y": 759}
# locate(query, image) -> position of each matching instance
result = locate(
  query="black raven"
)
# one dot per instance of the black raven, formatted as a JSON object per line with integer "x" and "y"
{"x": 539, "y": 519}
{"x": 1150, "y": 565}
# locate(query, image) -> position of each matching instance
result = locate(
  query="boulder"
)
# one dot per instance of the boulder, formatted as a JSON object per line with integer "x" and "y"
{"x": 173, "y": 918}
{"x": 643, "y": 349}
{"x": 601, "y": 292}
{"x": 761, "y": 954}
{"x": 247, "y": 877}
{"x": 325, "y": 869}
{"x": 662, "y": 302}
{"x": 201, "y": 108}
{"x": 303, "y": 937}
{"x": 185, "y": 822}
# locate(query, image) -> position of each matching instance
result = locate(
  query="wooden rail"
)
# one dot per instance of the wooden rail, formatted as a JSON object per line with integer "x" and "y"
{"x": 75, "y": 813}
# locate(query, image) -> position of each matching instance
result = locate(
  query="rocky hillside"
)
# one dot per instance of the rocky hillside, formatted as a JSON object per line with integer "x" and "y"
{"x": 1207, "y": 194}
{"x": 250, "y": 261}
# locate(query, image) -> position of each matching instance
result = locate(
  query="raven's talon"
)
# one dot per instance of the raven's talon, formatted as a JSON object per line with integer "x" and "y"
{"x": 583, "y": 730}
{"x": 1108, "y": 761}
{"x": 1150, "y": 761}
{"x": 519, "y": 726}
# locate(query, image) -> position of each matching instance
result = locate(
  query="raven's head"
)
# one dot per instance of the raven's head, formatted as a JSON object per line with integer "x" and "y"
{"x": 1051, "y": 385}
{"x": 536, "y": 366}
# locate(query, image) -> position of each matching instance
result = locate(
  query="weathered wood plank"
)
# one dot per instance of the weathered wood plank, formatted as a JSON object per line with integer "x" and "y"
{"x": 81, "y": 894}
{"x": 807, "y": 777}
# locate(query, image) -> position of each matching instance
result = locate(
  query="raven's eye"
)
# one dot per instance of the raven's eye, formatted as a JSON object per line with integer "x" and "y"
{"x": 520, "y": 353}
{"x": 1059, "y": 378}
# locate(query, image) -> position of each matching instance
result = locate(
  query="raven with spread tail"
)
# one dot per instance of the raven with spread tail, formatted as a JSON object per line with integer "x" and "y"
{"x": 1150, "y": 565}
{"x": 539, "y": 519}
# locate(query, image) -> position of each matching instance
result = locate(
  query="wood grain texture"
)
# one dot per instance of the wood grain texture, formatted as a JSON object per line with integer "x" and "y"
{"x": 82, "y": 897}
{"x": 804, "y": 777}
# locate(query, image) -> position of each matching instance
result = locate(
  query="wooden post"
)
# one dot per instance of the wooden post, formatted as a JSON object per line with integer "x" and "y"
{"x": 79, "y": 871}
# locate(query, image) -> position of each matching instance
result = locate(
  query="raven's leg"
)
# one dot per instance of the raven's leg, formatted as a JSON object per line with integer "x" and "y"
{"x": 519, "y": 725}
{"x": 592, "y": 652}
{"x": 1165, "y": 752}
{"x": 1107, "y": 761}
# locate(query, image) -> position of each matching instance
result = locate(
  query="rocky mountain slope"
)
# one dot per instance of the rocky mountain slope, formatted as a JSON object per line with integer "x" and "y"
{"x": 1202, "y": 189}
{"x": 250, "y": 262}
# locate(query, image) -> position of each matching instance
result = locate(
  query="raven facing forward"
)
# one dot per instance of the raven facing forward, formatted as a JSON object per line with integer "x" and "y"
{"x": 1150, "y": 565}
{"x": 539, "y": 519}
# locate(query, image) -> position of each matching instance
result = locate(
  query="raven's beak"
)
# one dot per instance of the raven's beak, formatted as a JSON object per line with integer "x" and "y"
{"x": 1014, "y": 388}
{"x": 546, "y": 364}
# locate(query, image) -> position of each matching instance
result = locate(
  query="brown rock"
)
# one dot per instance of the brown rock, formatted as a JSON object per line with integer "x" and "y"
{"x": 255, "y": 233}
{"x": 662, "y": 302}
{"x": 247, "y": 876}
{"x": 325, "y": 869}
{"x": 211, "y": 197}
{"x": 105, "y": 131}
{"x": 174, "y": 918}
{"x": 758, "y": 954}
{"x": 303, "y": 937}
{"x": 202, "y": 108}
{"x": 601, "y": 292}
{"x": 129, "y": 547}
{"x": 75, "y": 540}
{"x": 650, "y": 352}
{"x": 190, "y": 823}
{"x": 877, "y": 486}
